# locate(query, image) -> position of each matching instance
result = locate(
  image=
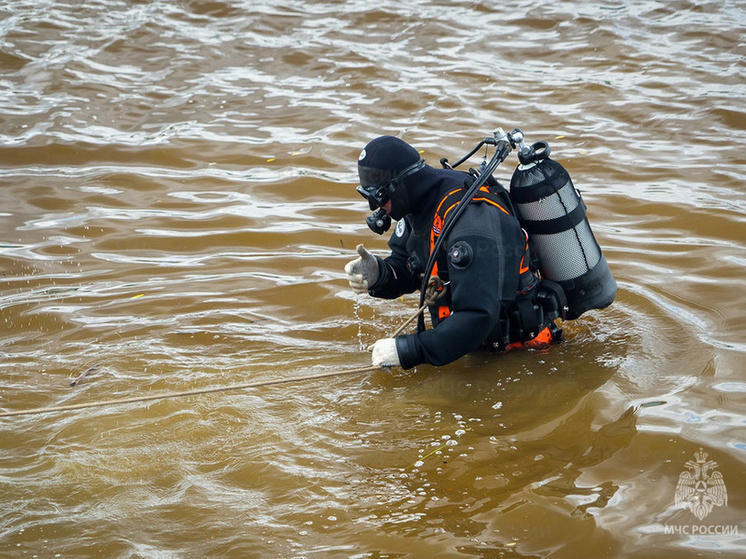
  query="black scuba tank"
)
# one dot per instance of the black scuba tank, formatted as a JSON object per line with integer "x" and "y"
{"x": 552, "y": 212}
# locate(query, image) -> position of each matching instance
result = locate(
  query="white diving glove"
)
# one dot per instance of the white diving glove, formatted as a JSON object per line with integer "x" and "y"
{"x": 363, "y": 271}
{"x": 385, "y": 354}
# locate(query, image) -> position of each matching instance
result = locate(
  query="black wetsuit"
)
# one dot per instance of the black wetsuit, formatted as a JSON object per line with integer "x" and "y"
{"x": 483, "y": 254}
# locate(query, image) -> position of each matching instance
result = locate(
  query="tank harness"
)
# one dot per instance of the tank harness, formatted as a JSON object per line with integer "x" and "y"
{"x": 566, "y": 273}
{"x": 537, "y": 302}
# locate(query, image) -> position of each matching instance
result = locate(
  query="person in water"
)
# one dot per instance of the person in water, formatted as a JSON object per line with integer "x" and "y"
{"x": 493, "y": 298}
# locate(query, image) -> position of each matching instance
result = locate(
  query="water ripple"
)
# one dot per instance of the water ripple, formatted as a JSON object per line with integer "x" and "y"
{"x": 177, "y": 207}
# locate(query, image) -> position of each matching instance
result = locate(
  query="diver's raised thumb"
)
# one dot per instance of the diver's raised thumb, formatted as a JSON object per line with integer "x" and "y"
{"x": 363, "y": 252}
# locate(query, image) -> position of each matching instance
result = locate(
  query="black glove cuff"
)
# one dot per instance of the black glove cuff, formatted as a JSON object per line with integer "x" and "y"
{"x": 383, "y": 275}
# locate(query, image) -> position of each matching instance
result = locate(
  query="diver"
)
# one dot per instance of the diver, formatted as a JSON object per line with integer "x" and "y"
{"x": 491, "y": 294}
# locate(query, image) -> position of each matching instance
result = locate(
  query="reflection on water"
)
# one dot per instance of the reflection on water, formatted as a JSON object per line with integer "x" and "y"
{"x": 177, "y": 206}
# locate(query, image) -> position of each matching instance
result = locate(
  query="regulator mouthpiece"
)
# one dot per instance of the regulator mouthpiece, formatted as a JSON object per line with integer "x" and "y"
{"x": 379, "y": 222}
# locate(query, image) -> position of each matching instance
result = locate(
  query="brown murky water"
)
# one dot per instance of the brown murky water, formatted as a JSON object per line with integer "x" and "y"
{"x": 177, "y": 180}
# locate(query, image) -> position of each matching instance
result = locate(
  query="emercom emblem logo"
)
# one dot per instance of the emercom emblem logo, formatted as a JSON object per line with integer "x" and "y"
{"x": 701, "y": 488}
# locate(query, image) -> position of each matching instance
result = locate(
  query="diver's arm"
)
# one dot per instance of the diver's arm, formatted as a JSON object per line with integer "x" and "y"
{"x": 475, "y": 308}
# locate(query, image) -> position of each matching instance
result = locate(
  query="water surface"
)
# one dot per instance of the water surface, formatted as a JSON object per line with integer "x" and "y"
{"x": 177, "y": 186}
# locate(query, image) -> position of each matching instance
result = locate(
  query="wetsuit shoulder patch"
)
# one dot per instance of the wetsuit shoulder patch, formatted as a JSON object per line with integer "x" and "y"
{"x": 400, "y": 228}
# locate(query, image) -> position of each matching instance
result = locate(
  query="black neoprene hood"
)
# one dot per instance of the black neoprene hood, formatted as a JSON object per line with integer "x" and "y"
{"x": 383, "y": 158}
{"x": 382, "y": 167}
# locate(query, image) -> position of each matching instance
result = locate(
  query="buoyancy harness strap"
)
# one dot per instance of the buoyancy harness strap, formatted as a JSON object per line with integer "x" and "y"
{"x": 558, "y": 224}
{"x": 535, "y": 304}
{"x": 524, "y": 313}
{"x": 553, "y": 298}
{"x": 451, "y": 200}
